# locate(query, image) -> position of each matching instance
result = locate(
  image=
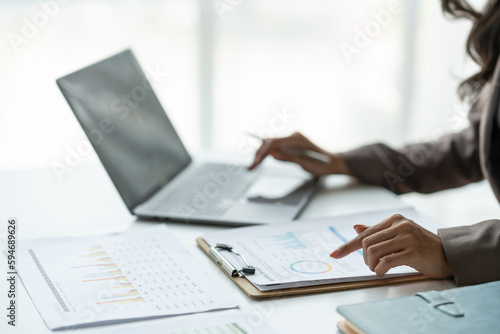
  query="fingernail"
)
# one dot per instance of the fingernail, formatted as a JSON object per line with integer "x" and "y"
{"x": 335, "y": 253}
{"x": 356, "y": 226}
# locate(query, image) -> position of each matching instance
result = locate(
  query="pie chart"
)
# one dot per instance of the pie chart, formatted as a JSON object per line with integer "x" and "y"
{"x": 310, "y": 267}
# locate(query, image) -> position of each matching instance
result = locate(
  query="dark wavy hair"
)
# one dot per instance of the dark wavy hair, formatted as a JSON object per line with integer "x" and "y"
{"x": 483, "y": 43}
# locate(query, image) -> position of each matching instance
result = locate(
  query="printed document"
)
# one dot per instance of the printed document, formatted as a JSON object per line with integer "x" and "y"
{"x": 93, "y": 280}
{"x": 298, "y": 253}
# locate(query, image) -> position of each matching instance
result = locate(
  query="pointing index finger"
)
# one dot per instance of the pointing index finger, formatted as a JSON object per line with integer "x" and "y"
{"x": 348, "y": 247}
{"x": 356, "y": 243}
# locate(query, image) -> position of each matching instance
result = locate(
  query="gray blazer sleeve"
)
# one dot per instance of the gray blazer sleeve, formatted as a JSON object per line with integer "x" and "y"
{"x": 452, "y": 161}
{"x": 449, "y": 162}
{"x": 473, "y": 252}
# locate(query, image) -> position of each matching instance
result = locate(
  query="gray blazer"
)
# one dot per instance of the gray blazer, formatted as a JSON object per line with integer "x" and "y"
{"x": 452, "y": 161}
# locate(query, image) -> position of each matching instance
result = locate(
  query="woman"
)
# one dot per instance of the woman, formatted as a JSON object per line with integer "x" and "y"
{"x": 470, "y": 253}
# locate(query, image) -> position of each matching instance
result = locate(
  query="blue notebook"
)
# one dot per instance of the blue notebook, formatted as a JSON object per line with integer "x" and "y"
{"x": 472, "y": 309}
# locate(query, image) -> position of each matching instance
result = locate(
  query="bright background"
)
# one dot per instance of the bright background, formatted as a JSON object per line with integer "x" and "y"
{"x": 229, "y": 66}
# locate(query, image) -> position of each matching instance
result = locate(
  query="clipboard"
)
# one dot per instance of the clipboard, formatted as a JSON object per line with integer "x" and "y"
{"x": 251, "y": 291}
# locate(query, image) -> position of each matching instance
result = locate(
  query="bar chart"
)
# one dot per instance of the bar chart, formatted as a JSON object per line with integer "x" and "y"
{"x": 130, "y": 276}
{"x": 283, "y": 241}
{"x": 101, "y": 267}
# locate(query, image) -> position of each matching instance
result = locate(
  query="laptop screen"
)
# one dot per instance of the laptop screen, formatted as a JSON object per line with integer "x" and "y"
{"x": 124, "y": 121}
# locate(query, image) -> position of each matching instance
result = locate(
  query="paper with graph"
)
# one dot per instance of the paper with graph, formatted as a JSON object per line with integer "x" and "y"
{"x": 298, "y": 253}
{"x": 140, "y": 274}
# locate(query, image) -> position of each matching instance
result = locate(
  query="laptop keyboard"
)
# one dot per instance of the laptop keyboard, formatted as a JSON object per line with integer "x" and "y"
{"x": 210, "y": 190}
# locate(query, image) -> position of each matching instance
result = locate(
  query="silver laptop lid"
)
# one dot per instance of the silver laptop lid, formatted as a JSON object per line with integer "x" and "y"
{"x": 127, "y": 126}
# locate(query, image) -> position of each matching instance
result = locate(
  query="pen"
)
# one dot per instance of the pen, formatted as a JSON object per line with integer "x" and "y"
{"x": 302, "y": 152}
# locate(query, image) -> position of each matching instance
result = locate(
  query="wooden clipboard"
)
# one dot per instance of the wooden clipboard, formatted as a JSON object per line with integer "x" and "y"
{"x": 253, "y": 292}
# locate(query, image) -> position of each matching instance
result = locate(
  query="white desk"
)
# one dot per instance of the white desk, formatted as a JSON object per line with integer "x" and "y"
{"x": 87, "y": 203}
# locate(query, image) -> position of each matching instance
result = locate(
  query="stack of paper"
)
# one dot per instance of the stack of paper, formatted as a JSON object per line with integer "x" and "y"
{"x": 94, "y": 280}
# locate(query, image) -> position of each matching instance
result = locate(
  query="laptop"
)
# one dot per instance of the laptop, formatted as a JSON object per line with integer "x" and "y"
{"x": 150, "y": 167}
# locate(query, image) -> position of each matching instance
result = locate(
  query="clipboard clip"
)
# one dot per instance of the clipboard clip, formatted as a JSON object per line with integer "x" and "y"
{"x": 226, "y": 265}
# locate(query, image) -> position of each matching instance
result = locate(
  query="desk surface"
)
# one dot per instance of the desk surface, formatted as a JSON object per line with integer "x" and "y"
{"x": 86, "y": 203}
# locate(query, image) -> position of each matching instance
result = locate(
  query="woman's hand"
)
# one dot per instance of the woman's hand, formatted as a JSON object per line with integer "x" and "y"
{"x": 398, "y": 241}
{"x": 277, "y": 147}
